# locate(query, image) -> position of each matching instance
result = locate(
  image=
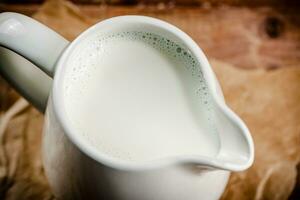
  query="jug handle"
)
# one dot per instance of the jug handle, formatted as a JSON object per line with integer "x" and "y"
{"x": 23, "y": 39}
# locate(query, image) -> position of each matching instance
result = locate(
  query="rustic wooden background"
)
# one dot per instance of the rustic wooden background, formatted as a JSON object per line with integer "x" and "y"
{"x": 248, "y": 34}
{"x": 273, "y": 31}
{"x": 179, "y": 2}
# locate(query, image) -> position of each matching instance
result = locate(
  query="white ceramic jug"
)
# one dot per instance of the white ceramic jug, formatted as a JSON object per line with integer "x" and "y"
{"x": 32, "y": 55}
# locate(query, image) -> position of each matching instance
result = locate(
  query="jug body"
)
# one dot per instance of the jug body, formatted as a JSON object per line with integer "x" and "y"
{"x": 74, "y": 175}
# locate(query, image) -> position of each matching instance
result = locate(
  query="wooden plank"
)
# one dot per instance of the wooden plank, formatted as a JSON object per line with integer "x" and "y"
{"x": 26, "y": 9}
{"x": 246, "y": 37}
{"x": 178, "y": 2}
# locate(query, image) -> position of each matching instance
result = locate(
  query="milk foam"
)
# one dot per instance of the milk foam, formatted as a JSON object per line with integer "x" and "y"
{"x": 138, "y": 96}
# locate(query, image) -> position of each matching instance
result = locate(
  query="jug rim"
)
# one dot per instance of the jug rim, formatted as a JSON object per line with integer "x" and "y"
{"x": 92, "y": 152}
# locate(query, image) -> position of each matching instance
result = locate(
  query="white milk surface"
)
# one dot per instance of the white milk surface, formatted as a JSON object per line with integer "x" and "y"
{"x": 139, "y": 97}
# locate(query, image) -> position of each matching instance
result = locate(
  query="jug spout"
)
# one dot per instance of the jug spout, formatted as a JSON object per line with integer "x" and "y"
{"x": 236, "y": 145}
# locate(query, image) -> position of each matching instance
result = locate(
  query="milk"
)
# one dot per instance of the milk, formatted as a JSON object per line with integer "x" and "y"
{"x": 138, "y": 97}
